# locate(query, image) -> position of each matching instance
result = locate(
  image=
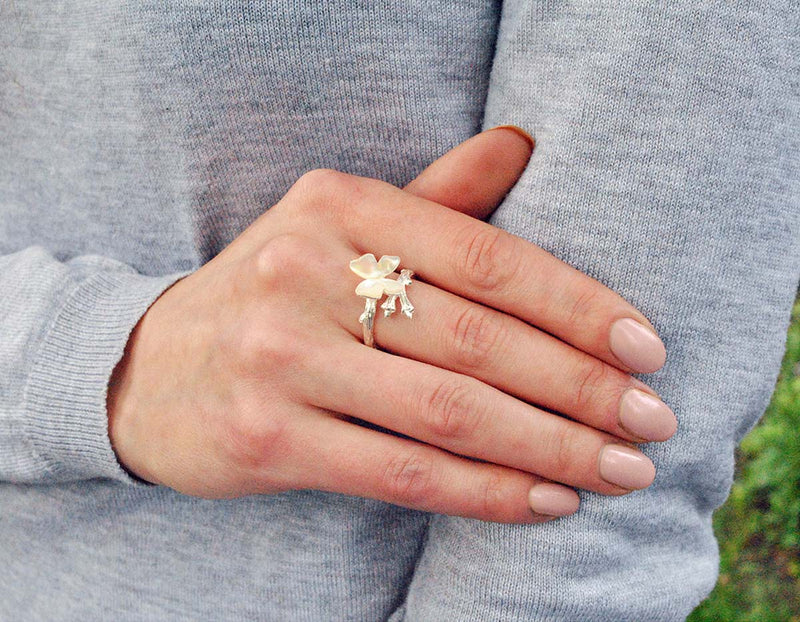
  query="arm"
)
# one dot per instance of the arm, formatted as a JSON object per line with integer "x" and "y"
{"x": 64, "y": 327}
{"x": 174, "y": 420}
{"x": 666, "y": 168}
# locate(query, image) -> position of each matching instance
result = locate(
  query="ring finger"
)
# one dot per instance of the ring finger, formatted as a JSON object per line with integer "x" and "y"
{"x": 467, "y": 417}
{"x": 457, "y": 334}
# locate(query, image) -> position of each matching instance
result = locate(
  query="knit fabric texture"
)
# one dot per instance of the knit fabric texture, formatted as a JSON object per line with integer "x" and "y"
{"x": 138, "y": 139}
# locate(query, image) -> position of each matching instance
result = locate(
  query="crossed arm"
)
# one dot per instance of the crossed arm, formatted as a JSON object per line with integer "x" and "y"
{"x": 636, "y": 181}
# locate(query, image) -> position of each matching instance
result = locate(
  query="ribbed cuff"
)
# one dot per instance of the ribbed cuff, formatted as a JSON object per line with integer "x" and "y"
{"x": 66, "y": 418}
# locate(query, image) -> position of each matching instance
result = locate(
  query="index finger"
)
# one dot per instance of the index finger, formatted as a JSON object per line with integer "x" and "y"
{"x": 493, "y": 267}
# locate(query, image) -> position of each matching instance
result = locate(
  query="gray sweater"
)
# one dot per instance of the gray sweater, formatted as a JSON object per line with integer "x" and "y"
{"x": 137, "y": 139}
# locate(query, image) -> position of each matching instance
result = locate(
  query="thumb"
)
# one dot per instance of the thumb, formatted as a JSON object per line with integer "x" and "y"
{"x": 476, "y": 175}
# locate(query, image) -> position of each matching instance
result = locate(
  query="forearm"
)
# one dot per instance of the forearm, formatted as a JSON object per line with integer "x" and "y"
{"x": 64, "y": 327}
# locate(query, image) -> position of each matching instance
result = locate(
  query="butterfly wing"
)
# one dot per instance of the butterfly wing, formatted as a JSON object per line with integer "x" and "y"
{"x": 388, "y": 264}
{"x": 366, "y": 267}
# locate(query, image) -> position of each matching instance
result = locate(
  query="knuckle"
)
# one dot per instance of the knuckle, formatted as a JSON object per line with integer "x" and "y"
{"x": 563, "y": 448}
{"x": 582, "y": 306}
{"x": 253, "y": 441}
{"x": 476, "y": 337}
{"x": 591, "y": 380}
{"x": 489, "y": 260}
{"x": 319, "y": 183}
{"x": 324, "y": 191}
{"x": 452, "y": 411}
{"x": 492, "y": 496}
{"x": 281, "y": 257}
{"x": 278, "y": 350}
{"x": 410, "y": 477}
{"x": 262, "y": 347}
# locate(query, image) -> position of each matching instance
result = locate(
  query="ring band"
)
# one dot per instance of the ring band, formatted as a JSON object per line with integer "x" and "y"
{"x": 375, "y": 285}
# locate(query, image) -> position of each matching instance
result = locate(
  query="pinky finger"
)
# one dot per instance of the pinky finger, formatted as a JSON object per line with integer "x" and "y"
{"x": 367, "y": 463}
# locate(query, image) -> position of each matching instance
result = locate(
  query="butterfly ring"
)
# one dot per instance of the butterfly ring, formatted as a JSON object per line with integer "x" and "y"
{"x": 375, "y": 285}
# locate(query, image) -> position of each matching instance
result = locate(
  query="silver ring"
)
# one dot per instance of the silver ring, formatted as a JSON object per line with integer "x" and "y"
{"x": 375, "y": 285}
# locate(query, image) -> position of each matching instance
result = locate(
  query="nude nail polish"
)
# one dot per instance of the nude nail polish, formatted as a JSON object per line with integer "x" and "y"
{"x": 637, "y": 346}
{"x": 518, "y": 130}
{"x": 626, "y": 467}
{"x": 645, "y": 416}
{"x": 553, "y": 499}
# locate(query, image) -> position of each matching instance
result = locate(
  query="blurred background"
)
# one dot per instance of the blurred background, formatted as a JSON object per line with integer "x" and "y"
{"x": 758, "y": 528}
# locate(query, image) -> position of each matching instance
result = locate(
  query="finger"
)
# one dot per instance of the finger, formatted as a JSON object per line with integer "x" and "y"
{"x": 367, "y": 463}
{"x": 456, "y": 334}
{"x": 488, "y": 265}
{"x": 472, "y": 178}
{"x": 467, "y": 417}
{"x": 475, "y": 176}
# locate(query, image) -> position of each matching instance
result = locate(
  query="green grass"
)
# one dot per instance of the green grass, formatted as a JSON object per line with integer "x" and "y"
{"x": 758, "y": 528}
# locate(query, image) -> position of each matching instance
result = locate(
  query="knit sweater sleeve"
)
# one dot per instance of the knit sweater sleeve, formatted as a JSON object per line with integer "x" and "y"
{"x": 667, "y": 144}
{"x": 63, "y": 328}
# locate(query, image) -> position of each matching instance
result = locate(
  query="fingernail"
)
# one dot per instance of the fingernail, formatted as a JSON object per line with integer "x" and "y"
{"x": 518, "y": 130}
{"x": 637, "y": 346}
{"x": 626, "y": 467}
{"x": 646, "y": 416}
{"x": 553, "y": 500}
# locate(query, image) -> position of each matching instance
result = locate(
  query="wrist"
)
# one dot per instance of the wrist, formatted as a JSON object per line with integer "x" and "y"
{"x": 121, "y": 412}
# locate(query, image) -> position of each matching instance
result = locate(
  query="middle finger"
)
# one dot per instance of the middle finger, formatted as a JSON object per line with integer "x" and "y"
{"x": 457, "y": 334}
{"x": 493, "y": 267}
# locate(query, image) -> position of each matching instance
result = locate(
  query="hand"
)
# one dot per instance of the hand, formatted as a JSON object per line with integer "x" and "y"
{"x": 248, "y": 376}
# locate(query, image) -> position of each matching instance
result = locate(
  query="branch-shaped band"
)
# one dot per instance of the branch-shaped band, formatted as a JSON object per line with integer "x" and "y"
{"x": 375, "y": 285}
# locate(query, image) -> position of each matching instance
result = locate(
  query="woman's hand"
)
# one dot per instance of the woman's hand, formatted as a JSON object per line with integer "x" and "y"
{"x": 246, "y": 376}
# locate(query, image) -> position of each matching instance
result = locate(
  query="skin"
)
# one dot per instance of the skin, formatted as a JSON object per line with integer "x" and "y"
{"x": 249, "y": 376}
